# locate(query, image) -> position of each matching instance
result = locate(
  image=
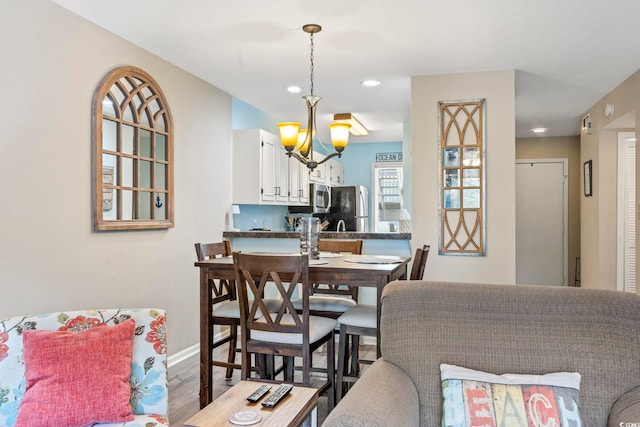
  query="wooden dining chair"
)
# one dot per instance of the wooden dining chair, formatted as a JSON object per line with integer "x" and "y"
{"x": 361, "y": 320}
{"x": 333, "y": 300}
{"x": 284, "y": 331}
{"x": 226, "y": 310}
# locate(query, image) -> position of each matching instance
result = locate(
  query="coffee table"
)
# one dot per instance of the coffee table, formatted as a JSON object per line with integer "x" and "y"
{"x": 290, "y": 412}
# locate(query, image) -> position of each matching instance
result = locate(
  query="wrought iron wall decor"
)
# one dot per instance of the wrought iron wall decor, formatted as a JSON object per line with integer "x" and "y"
{"x": 462, "y": 177}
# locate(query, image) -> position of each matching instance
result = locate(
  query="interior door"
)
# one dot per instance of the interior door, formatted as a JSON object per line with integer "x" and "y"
{"x": 626, "y": 253}
{"x": 541, "y": 221}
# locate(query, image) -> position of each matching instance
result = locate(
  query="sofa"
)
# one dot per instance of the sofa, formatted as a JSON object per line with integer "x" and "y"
{"x": 498, "y": 329}
{"x": 136, "y": 354}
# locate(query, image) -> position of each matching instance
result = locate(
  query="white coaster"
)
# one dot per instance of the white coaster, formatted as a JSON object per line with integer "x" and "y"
{"x": 245, "y": 418}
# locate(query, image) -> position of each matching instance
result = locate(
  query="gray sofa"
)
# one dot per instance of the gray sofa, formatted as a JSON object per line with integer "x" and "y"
{"x": 498, "y": 329}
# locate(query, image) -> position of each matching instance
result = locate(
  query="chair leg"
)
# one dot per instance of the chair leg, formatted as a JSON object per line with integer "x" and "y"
{"x": 233, "y": 344}
{"x": 289, "y": 362}
{"x": 331, "y": 372}
{"x": 342, "y": 355}
{"x": 355, "y": 356}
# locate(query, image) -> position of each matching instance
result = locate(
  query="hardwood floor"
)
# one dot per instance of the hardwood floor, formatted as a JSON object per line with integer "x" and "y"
{"x": 184, "y": 385}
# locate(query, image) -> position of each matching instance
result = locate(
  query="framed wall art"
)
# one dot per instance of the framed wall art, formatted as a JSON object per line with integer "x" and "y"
{"x": 588, "y": 181}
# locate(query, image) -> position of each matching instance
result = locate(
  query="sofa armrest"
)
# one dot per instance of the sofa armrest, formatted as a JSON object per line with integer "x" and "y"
{"x": 383, "y": 397}
{"x": 626, "y": 410}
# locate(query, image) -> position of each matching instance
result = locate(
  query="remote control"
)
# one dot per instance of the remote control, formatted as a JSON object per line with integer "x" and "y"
{"x": 277, "y": 396}
{"x": 257, "y": 395}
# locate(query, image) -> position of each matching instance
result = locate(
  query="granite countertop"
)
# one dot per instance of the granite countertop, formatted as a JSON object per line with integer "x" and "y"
{"x": 323, "y": 235}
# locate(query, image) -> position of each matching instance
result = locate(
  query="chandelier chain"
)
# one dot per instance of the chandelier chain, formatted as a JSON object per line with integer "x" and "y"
{"x": 311, "y": 62}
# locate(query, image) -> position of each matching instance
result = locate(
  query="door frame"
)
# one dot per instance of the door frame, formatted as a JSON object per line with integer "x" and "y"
{"x": 565, "y": 209}
{"x": 374, "y": 190}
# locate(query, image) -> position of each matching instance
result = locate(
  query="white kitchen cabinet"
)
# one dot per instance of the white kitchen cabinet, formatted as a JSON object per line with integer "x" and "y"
{"x": 336, "y": 173}
{"x": 319, "y": 174}
{"x": 263, "y": 173}
{"x": 254, "y": 167}
{"x": 303, "y": 175}
{"x": 282, "y": 174}
{"x": 298, "y": 183}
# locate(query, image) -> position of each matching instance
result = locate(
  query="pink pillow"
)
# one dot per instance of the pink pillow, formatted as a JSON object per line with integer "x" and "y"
{"x": 77, "y": 378}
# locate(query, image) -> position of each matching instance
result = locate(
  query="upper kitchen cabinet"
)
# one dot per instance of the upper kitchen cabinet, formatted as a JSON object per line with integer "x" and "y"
{"x": 336, "y": 173}
{"x": 262, "y": 172}
{"x": 298, "y": 182}
{"x": 319, "y": 174}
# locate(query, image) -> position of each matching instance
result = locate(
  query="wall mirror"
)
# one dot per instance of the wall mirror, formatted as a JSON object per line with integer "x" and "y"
{"x": 133, "y": 153}
{"x": 462, "y": 177}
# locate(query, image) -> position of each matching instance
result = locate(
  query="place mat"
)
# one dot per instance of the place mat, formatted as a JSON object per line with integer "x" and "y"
{"x": 375, "y": 259}
{"x": 330, "y": 255}
{"x": 318, "y": 261}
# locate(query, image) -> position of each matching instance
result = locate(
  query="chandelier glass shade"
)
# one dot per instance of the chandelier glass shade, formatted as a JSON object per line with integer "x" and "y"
{"x": 299, "y": 142}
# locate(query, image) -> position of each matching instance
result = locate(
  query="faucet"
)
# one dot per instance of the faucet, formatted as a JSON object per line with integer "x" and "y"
{"x": 344, "y": 227}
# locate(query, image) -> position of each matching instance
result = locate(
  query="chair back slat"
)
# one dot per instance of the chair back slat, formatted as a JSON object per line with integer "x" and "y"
{"x": 223, "y": 290}
{"x": 338, "y": 246}
{"x": 286, "y": 273}
{"x": 419, "y": 263}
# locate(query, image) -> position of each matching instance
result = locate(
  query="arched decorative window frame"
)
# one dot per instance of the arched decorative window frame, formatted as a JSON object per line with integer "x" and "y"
{"x": 139, "y": 88}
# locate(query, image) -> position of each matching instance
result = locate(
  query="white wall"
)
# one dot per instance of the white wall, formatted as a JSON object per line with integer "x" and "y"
{"x": 50, "y": 258}
{"x": 498, "y": 88}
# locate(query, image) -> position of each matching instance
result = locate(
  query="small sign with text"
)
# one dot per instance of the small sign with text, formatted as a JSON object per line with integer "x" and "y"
{"x": 389, "y": 157}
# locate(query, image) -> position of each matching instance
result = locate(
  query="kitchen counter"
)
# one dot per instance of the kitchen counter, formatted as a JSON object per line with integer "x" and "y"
{"x": 323, "y": 235}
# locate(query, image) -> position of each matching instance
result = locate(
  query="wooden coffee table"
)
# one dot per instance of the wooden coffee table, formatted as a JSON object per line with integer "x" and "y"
{"x": 290, "y": 412}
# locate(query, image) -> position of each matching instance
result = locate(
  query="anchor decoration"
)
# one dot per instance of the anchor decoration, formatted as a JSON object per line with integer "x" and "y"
{"x": 158, "y": 202}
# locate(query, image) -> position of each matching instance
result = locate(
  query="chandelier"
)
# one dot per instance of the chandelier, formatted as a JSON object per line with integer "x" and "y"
{"x": 299, "y": 142}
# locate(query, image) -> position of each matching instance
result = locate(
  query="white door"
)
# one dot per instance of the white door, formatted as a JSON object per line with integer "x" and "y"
{"x": 626, "y": 211}
{"x": 541, "y": 221}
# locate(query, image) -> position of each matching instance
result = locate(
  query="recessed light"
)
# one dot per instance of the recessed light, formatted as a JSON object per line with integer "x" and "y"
{"x": 294, "y": 89}
{"x": 370, "y": 83}
{"x": 539, "y": 130}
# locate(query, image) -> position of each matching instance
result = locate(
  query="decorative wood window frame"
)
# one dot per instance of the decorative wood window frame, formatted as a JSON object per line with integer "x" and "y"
{"x": 132, "y": 134}
{"x": 462, "y": 177}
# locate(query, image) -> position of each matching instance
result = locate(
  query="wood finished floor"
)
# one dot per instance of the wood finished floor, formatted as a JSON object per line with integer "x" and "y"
{"x": 184, "y": 385}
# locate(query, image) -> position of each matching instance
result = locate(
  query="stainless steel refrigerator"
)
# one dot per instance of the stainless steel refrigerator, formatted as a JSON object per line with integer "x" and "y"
{"x": 351, "y": 205}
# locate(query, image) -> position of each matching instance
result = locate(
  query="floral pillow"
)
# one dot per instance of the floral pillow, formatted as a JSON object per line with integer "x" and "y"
{"x": 77, "y": 378}
{"x": 476, "y": 398}
{"x": 148, "y": 380}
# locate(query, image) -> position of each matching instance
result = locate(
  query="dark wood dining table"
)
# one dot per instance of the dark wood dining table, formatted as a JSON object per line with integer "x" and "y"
{"x": 355, "y": 270}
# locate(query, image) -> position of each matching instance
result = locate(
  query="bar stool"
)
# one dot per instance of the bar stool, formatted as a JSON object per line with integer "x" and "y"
{"x": 361, "y": 320}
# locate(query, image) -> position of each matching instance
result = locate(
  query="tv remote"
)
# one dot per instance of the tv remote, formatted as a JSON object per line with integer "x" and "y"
{"x": 257, "y": 395}
{"x": 277, "y": 395}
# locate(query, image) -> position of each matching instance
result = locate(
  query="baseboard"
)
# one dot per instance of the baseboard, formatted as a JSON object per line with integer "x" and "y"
{"x": 190, "y": 351}
{"x": 368, "y": 340}
{"x": 183, "y": 355}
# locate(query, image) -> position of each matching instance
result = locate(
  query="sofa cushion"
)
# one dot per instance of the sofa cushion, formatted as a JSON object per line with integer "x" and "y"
{"x": 77, "y": 378}
{"x": 479, "y": 398}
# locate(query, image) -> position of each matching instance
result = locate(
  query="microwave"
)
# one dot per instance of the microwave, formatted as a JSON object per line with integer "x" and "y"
{"x": 320, "y": 198}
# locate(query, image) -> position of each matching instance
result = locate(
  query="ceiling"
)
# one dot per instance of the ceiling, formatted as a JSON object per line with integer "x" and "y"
{"x": 567, "y": 53}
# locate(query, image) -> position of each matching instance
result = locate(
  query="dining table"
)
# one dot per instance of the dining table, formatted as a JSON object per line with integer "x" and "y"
{"x": 355, "y": 270}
